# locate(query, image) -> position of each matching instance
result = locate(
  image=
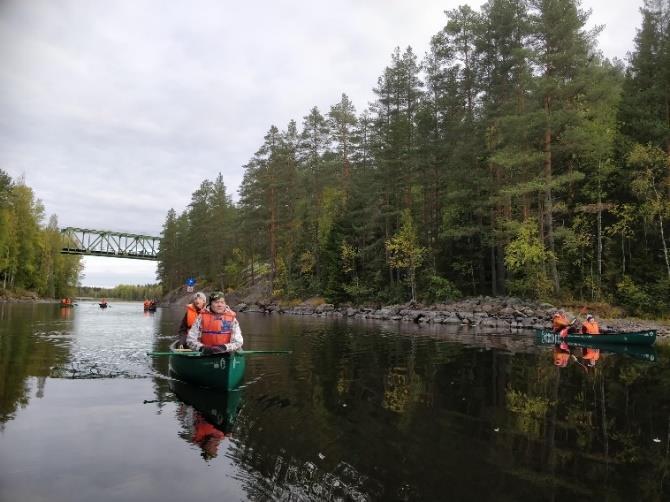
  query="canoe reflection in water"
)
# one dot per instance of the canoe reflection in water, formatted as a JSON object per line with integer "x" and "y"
{"x": 587, "y": 356}
{"x": 207, "y": 415}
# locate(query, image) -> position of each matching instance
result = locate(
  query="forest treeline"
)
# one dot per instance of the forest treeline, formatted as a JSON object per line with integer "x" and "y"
{"x": 122, "y": 292}
{"x": 30, "y": 258}
{"x": 513, "y": 158}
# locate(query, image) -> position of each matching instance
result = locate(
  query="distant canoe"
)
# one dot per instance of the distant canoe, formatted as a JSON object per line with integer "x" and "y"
{"x": 219, "y": 371}
{"x": 103, "y": 305}
{"x": 66, "y": 305}
{"x": 150, "y": 309}
{"x": 647, "y": 337}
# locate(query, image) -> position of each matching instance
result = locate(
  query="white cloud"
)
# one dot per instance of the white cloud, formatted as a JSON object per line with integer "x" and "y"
{"x": 109, "y": 272}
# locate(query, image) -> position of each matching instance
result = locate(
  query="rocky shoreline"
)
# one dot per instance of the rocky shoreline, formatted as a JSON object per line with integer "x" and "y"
{"x": 502, "y": 314}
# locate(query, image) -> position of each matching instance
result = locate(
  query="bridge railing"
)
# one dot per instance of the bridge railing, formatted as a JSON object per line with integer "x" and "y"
{"x": 83, "y": 241}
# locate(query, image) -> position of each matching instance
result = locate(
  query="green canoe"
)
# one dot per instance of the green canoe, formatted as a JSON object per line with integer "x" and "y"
{"x": 647, "y": 337}
{"x": 220, "y": 371}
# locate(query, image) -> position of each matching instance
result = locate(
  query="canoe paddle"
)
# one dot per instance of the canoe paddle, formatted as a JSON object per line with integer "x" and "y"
{"x": 195, "y": 353}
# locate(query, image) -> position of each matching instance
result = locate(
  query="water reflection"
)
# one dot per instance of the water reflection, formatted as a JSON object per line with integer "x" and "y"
{"x": 372, "y": 411}
{"x": 81, "y": 342}
{"x": 206, "y": 416}
{"x": 66, "y": 312}
{"x": 587, "y": 355}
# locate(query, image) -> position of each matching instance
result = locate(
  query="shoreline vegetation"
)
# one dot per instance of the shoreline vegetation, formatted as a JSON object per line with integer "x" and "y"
{"x": 504, "y": 314}
{"x": 499, "y": 315}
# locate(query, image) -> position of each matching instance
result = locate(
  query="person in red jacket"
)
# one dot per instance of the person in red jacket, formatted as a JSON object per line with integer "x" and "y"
{"x": 193, "y": 309}
{"x": 216, "y": 329}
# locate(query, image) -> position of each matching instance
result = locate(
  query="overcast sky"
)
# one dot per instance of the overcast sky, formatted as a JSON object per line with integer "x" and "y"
{"x": 116, "y": 111}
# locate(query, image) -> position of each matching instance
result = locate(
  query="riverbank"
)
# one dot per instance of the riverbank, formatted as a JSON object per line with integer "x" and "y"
{"x": 501, "y": 314}
{"x": 23, "y": 297}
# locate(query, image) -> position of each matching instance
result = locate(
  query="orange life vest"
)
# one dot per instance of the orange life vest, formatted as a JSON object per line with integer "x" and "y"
{"x": 561, "y": 358}
{"x": 191, "y": 315}
{"x": 559, "y": 322}
{"x": 207, "y": 437}
{"x": 591, "y": 354}
{"x": 590, "y": 327}
{"x": 216, "y": 329}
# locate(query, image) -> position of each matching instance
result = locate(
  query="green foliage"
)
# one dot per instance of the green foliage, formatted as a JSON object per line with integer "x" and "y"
{"x": 405, "y": 252}
{"x": 439, "y": 290}
{"x": 122, "y": 292}
{"x": 30, "y": 257}
{"x": 526, "y": 259}
{"x": 632, "y": 296}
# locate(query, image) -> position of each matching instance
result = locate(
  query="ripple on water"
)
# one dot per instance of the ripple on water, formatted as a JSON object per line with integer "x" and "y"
{"x": 106, "y": 344}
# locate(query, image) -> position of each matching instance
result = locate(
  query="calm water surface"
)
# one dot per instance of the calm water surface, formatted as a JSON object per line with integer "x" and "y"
{"x": 359, "y": 411}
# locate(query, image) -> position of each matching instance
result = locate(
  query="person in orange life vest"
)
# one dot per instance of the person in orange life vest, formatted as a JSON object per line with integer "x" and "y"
{"x": 590, "y": 326}
{"x": 216, "y": 329}
{"x": 559, "y": 321}
{"x": 147, "y": 304}
{"x": 192, "y": 310}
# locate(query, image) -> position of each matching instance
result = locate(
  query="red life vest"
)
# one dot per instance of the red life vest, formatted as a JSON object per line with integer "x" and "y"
{"x": 191, "y": 315}
{"x": 216, "y": 329}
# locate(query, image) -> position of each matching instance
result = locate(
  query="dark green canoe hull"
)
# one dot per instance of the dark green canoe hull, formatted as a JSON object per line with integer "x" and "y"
{"x": 224, "y": 371}
{"x": 647, "y": 337}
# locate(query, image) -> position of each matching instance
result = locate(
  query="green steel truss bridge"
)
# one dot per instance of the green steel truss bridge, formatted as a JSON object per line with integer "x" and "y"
{"x": 114, "y": 244}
